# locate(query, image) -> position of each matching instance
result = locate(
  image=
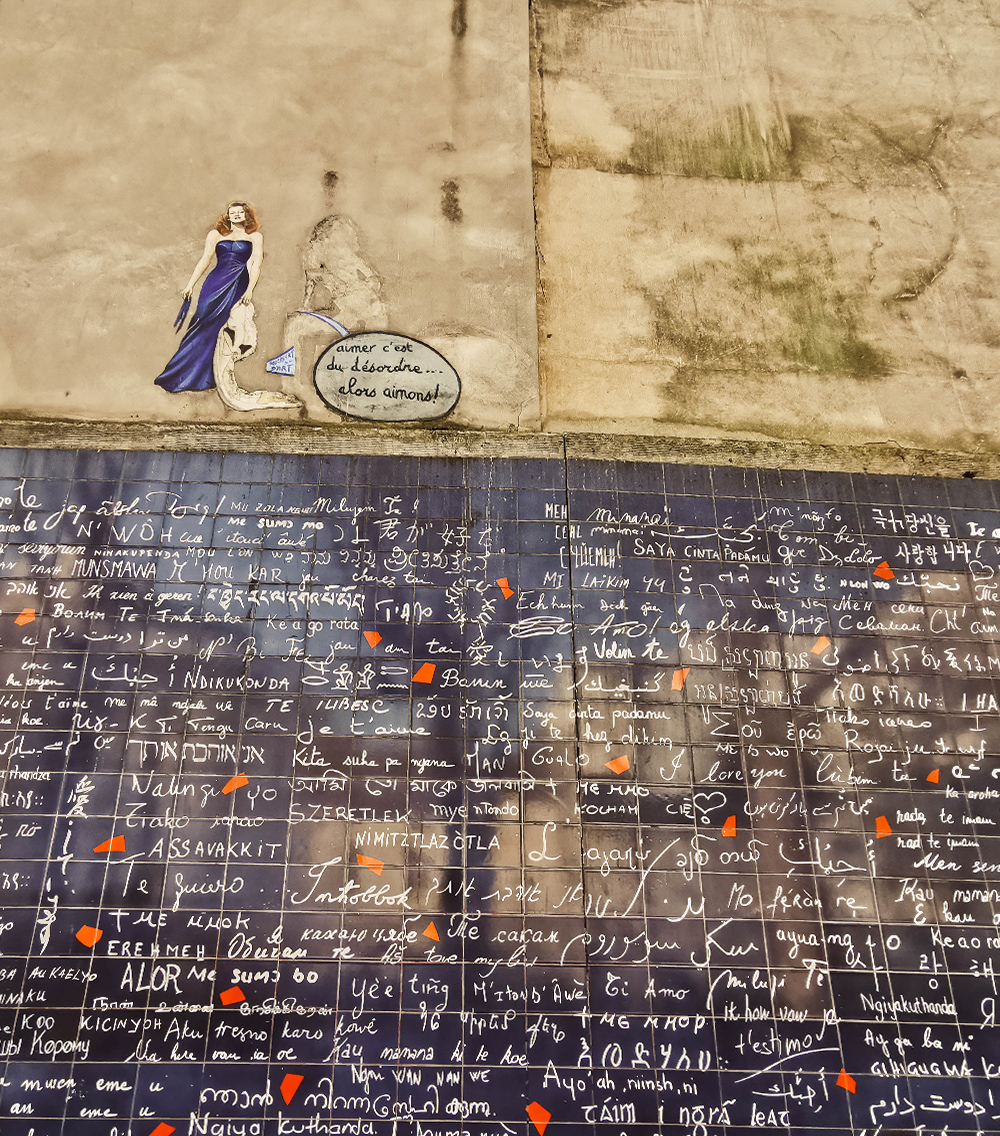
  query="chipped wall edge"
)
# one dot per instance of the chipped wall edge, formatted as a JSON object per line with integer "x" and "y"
{"x": 879, "y": 457}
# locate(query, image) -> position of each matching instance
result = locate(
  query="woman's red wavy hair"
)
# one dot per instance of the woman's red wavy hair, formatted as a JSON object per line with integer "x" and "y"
{"x": 252, "y": 225}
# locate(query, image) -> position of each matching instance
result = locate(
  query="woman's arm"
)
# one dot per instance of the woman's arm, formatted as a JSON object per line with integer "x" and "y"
{"x": 210, "y": 242}
{"x": 253, "y": 266}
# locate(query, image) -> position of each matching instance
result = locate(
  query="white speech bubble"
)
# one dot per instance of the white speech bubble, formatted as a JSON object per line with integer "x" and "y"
{"x": 383, "y": 377}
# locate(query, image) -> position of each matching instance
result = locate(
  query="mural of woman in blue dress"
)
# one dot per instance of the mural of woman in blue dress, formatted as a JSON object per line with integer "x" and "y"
{"x": 222, "y": 331}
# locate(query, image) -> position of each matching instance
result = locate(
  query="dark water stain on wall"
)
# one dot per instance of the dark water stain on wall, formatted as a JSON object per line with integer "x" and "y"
{"x": 459, "y": 18}
{"x": 450, "y": 205}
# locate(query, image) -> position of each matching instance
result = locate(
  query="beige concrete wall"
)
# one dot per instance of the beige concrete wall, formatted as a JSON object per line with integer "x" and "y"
{"x": 770, "y": 220}
{"x": 398, "y": 128}
{"x": 774, "y": 222}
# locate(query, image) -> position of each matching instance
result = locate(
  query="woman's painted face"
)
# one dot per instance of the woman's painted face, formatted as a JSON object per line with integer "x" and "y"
{"x": 237, "y": 214}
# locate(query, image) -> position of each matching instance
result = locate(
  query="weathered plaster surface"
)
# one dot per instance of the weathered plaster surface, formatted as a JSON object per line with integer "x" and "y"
{"x": 767, "y": 226}
{"x": 385, "y": 145}
{"x": 774, "y": 220}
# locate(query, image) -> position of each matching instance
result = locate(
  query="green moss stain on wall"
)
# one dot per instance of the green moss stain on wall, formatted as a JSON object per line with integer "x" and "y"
{"x": 739, "y": 146}
{"x": 771, "y": 307}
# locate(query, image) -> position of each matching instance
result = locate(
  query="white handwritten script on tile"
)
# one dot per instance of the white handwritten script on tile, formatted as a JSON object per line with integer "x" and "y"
{"x": 415, "y": 796}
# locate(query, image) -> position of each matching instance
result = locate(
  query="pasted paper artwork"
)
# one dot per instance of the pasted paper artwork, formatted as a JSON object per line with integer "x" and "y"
{"x": 223, "y": 331}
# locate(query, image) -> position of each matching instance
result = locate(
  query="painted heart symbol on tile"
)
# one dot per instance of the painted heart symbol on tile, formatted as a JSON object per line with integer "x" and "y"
{"x": 706, "y": 802}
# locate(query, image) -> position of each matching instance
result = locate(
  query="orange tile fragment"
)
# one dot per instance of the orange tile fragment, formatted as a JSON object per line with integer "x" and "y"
{"x": 163, "y": 1130}
{"x": 539, "y": 1116}
{"x": 846, "y": 1081}
{"x": 884, "y": 572}
{"x": 371, "y": 864}
{"x": 504, "y": 584}
{"x": 290, "y": 1086}
{"x": 619, "y": 764}
{"x": 235, "y": 783}
{"x": 934, "y": 776}
{"x": 232, "y": 996}
{"x": 882, "y": 827}
{"x": 426, "y": 673}
{"x": 679, "y": 676}
{"x": 27, "y": 616}
{"x": 115, "y": 844}
{"x": 373, "y": 638}
{"x": 819, "y": 646}
{"x": 432, "y": 932}
{"x": 729, "y": 828}
{"x": 89, "y": 936}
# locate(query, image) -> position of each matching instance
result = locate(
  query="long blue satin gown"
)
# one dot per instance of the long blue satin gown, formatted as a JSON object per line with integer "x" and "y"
{"x": 191, "y": 367}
